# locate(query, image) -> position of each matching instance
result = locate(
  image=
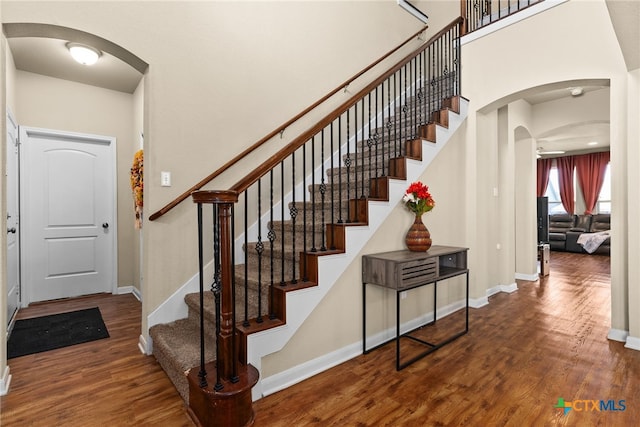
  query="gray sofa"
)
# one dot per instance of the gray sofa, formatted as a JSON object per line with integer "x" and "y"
{"x": 564, "y": 231}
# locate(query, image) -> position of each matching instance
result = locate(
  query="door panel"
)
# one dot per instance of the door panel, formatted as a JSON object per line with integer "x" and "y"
{"x": 68, "y": 214}
{"x": 13, "y": 225}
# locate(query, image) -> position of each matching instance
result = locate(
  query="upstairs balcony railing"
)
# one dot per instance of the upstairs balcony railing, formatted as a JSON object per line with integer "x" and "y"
{"x": 480, "y": 13}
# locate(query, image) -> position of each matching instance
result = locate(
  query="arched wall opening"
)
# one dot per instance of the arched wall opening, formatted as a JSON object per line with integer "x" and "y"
{"x": 129, "y": 135}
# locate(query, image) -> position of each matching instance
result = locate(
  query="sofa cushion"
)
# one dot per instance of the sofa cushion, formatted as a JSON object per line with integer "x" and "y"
{"x": 559, "y": 237}
{"x": 582, "y": 224}
{"x": 600, "y": 222}
{"x": 560, "y": 223}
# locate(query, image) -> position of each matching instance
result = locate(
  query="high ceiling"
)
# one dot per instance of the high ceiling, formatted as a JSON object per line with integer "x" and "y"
{"x": 50, "y": 57}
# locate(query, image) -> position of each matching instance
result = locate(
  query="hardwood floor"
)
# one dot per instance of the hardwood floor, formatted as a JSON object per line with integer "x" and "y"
{"x": 523, "y": 352}
{"x": 102, "y": 383}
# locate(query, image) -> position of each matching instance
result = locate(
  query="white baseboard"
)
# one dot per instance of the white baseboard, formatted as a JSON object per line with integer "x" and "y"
{"x": 5, "y": 381}
{"x": 308, "y": 369}
{"x": 527, "y": 277}
{"x": 482, "y": 301}
{"x": 618, "y": 335}
{"x": 145, "y": 344}
{"x": 509, "y": 288}
{"x": 130, "y": 290}
{"x": 478, "y": 302}
{"x": 633, "y": 343}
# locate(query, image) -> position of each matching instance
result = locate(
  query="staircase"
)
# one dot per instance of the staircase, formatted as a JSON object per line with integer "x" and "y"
{"x": 177, "y": 346}
{"x": 275, "y": 231}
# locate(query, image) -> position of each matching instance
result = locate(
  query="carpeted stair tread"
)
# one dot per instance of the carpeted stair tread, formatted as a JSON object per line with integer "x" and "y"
{"x": 176, "y": 346}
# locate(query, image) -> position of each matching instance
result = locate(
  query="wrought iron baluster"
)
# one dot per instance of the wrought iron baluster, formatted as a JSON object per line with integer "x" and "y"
{"x": 246, "y": 259}
{"x": 259, "y": 250}
{"x": 272, "y": 237}
{"x": 370, "y": 144}
{"x": 458, "y": 63}
{"x": 304, "y": 276}
{"x": 323, "y": 190}
{"x": 340, "y": 221}
{"x": 282, "y": 279}
{"x": 347, "y": 163}
{"x": 332, "y": 190}
{"x": 202, "y": 373}
{"x": 376, "y": 136}
{"x": 313, "y": 194}
{"x": 293, "y": 211}
{"x": 362, "y": 189}
{"x": 395, "y": 116}
{"x": 388, "y": 123}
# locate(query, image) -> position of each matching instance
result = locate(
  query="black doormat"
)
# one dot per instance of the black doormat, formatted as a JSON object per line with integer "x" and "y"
{"x": 45, "y": 333}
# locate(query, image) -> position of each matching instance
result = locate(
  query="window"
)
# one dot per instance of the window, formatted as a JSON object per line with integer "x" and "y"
{"x": 553, "y": 193}
{"x": 603, "y": 205}
{"x": 604, "y": 198}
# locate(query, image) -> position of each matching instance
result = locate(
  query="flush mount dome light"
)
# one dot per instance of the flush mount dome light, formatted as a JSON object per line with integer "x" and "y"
{"x": 576, "y": 91}
{"x": 85, "y": 55}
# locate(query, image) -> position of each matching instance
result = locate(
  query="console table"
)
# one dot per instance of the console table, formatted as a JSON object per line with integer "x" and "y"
{"x": 405, "y": 270}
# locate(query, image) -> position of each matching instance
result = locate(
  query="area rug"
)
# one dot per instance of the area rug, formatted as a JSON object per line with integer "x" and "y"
{"x": 46, "y": 333}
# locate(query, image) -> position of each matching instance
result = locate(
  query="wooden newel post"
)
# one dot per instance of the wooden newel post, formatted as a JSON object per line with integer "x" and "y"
{"x": 228, "y": 402}
{"x": 463, "y": 14}
{"x": 227, "y": 350}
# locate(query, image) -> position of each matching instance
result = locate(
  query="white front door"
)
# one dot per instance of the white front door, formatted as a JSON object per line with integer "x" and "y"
{"x": 68, "y": 189}
{"x": 13, "y": 224}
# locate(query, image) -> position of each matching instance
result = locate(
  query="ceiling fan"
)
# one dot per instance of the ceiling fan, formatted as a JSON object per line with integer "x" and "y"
{"x": 540, "y": 151}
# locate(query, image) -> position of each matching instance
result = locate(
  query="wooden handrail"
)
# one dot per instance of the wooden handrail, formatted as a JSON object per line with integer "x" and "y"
{"x": 276, "y": 131}
{"x": 273, "y": 161}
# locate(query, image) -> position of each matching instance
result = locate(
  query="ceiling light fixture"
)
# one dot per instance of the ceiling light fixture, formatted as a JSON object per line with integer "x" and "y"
{"x": 592, "y": 143}
{"x": 576, "y": 91}
{"x": 85, "y": 55}
{"x": 551, "y": 152}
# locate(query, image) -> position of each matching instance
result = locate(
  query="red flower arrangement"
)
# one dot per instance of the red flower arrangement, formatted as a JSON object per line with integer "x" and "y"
{"x": 418, "y": 199}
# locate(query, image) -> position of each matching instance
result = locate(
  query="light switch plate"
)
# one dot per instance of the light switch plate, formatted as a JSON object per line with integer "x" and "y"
{"x": 165, "y": 179}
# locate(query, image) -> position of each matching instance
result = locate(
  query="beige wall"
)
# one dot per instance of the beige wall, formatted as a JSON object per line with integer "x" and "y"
{"x": 633, "y": 230}
{"x": 337, "y": 321}
{"x": 52, "y": 103}
{"x": 222, "y": 74}
{"x": 524, "y": 56}
{"x": 137, "y": 143}
{"x": 524, "y": 188}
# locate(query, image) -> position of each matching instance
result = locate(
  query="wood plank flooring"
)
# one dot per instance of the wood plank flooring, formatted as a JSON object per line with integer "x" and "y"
{"x": 101, "y": 383}
{"x": 523, "y": 352}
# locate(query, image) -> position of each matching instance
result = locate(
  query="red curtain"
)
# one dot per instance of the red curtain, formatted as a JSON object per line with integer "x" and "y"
{"x": 566, "y": 166}
{"x": 544, "y": 166}
{"x": 591, "y": 169}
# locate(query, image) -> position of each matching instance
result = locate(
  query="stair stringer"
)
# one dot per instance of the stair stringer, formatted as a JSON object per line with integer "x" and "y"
{"x": 302, "y": 302}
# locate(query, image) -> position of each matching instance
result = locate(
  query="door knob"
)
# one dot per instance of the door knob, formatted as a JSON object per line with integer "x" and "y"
{"x": 105, "y": 225}
{"x": 11, "y": 230}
